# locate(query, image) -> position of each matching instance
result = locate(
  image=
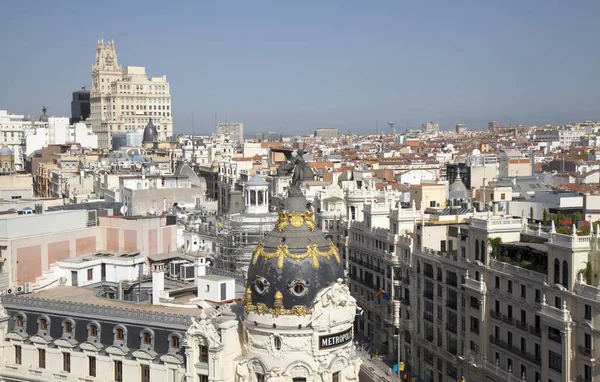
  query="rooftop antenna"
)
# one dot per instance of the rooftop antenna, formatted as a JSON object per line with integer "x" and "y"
{"x": 392, "y": 130}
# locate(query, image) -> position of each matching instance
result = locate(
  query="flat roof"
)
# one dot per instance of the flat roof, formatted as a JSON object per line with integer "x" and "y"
{"x": 88, "y": 296}
{"x": 216, "y": 278}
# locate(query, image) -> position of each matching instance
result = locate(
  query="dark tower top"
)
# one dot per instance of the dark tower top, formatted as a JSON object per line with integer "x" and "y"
{"x": 150, "y": 132}
{"x": 293, "y": 263}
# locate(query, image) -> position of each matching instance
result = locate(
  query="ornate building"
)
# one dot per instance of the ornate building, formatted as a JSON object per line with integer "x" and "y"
{"x": 122, "y": 100}
{"x": 294, "y": 322}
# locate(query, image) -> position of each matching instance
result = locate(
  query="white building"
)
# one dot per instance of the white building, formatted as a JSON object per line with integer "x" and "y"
{"x": 13, "y": 129}
{"x": 430, "y": 127}
{"x": 58, "y": 131}
{"x": 123, "y": 100}
{"x": 235, "y": 131}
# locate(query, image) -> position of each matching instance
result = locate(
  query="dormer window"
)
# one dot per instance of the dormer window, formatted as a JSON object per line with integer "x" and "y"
{"x": 147, "y": 338}
{"x": 68, "y": 328}
{"x": 93, "y": 331}
{"x": 43, "y": 324}
{"x": 119, "y": 334}
{"x": 174, "y": 342}
{"x": 20, "y": 321}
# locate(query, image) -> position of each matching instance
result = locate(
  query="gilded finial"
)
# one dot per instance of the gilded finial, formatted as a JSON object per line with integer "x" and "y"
{"x": 277, "y": 303}
{"x": 247, "y": 299}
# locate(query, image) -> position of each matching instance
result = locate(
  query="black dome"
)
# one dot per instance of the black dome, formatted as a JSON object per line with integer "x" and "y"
{"x": 294, "y": 262}
{"x": 150, "y": 132}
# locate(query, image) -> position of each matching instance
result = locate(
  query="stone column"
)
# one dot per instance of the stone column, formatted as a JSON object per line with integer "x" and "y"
{"x": 566, "y": 354}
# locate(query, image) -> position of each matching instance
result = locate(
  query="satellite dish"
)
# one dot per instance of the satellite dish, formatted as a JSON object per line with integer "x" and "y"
{"x": 123, "y": 209}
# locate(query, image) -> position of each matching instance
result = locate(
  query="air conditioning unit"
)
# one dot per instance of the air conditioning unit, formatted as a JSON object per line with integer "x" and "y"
{"x": 9, "y": 291}
{"x": 19, "y": 289}
{"x": 28, "y": 287}
{"x": 174, "y": 268}
{"x": 186, "y": 272}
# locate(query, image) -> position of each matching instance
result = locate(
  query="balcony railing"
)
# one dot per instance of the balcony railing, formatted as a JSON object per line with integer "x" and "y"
{"x": 495, "y": 315}
{"x": 555, "y": 338}
{"x": 521, "y": 325}
{"x": 585, "y": 351}
{"x": 535, "y": 331}
{"x": 508, "y": 320}
{"x": 515, "y": 350}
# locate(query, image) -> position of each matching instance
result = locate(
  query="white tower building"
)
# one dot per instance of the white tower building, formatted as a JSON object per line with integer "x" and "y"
{"x": 123, "y": 100}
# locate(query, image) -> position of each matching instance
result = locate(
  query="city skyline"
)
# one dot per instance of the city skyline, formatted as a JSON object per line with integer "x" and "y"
{"x": 302, "y": 67}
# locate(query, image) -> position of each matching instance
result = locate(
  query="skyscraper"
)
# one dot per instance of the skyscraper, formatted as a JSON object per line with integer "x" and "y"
{"x": 124, "y": 100}
{"x": 234, "y": 130}
{"x": 80, "y": 106}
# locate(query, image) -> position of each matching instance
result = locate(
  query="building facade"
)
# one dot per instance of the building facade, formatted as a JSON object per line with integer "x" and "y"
{"x": 235, "y": 131}
{"x": 123, "y": 100}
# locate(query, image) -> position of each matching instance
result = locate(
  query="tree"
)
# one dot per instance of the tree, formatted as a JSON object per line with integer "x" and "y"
{"x": 576, "y": 217}
{"x": 531, "y": 215}
{"x": 494, "y": 242}
{"x": 545, "y": 217}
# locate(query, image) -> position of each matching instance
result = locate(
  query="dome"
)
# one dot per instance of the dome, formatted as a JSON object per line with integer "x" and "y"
{"x": 5, "y": 151}
{"x": 476, "y": 152}
{"x": 292, "y": 264}
{"x": 256, "y": 180}
{"x": 458, "y": 190}
{"x": 150, "y": 132}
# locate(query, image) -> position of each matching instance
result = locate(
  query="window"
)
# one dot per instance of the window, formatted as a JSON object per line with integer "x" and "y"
{"x": 523, "y": 291}
{"x": 67, "y": 362}
{"x": 509, "y": 289}
{"x": 335, "y": 377}
{"x": 497, "y": 285}
{"x": 20, "y": 321}
{"x": 147, "y": 338}
{"x": 42, "y": 358}
{"x": 93, "y": 332}
{"x": 538, "y": 296}
{"x": 119, "y": 334}
{"x": 204, "y": 378}
{"x": 587, "y": 312}
{"x": 90, "y": 274}
{"x": 502, "y": 196}
{"x": 565, "y": 275}
{"x": 277, "y": 342}
{"x": 554, "y": 361}
{"x": 43, "y": 324}
{"x": 118, "y": 371}
{"x": 260, "y": 377}
{"x": 145, "y": 373}
{"x": 203, "y": 350}
{"x": 68, "y": 327}
{"x": 92, "y": 366}
{"x": 175, "y": 342}
{"x": 18, "y": 354}
{"x": 556, "y": 271}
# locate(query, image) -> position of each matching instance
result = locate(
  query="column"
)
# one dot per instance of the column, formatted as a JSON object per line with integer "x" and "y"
{"x": 566, "y": 354}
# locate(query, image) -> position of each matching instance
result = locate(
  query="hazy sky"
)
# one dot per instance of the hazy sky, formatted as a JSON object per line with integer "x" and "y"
{"x": 301, "y": 65}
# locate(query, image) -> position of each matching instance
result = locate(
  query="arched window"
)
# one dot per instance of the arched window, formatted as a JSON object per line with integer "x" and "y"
{"x": 476, "y": 249}
{"x": 19, "y": 321}
{"x": 277, "y": 342}
{"x": 565, "y": 275}
{"x": 119, "y": 334}
{"x": 556, "y": 271}
{"x": 93, "y": 329}
{"x": 68, "y": 327}
{"x": 147, "y": 339}
{"x": 43, "y": 323}
{"x": 483, "y": 251}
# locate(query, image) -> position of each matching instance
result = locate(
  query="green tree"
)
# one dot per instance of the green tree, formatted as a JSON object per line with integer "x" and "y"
{"x": 576, "y": 217}
{"x": 545, "y": 217}
{"x": 531, "y": 215}
{"x": 494, "y": 242}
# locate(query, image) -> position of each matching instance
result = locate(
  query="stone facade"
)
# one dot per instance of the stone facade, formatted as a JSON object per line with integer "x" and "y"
{"x": 123, "y": 100}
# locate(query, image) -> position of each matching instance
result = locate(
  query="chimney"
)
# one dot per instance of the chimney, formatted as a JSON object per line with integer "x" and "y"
{"x": 199, "y": 268}
{"x": 158, "y": 282}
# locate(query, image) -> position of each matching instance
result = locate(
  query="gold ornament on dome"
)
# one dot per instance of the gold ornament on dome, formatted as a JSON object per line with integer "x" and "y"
{"x": 296, "y": 220}
{"x": 277, "y": 309}
{"x": 283, "y": 252}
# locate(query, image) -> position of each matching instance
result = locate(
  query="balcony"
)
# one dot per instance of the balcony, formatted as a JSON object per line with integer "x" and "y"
{"x": 515, "y": 350}
{"x": 508, "y": 320}
{"x": 521, "y": 325}
{"x": 495, "y": 315}
{"x": 535, "y": 331}
{"x": 428, "y": 316}
{"x": 585, "y": 351}
{"x": 570, "y": 241}
{"x": 555, "y": 338}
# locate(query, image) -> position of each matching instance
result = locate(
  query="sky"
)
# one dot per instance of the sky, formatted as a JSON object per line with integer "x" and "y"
{"x": 295, "y": 66}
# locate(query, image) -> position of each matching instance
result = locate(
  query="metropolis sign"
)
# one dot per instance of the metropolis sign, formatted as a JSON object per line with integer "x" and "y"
{"x": 337, "y": 339}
